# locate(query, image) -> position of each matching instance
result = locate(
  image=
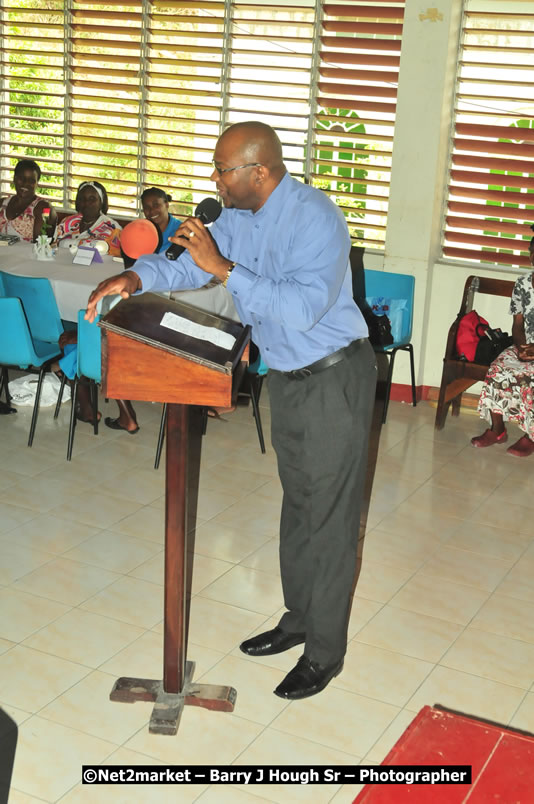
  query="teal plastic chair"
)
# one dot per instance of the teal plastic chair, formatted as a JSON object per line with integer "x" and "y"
{"x": 394, "y": 287}
{"x": 3, "y": 379}
{"x": 88, "y": 369}
{"x": 39, "y": 304}
{"x": 20, "y": 351}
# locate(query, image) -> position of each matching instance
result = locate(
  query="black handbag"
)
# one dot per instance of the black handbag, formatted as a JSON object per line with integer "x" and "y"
{"x": 491, "y": 344}
{"x": 379, "y": 327}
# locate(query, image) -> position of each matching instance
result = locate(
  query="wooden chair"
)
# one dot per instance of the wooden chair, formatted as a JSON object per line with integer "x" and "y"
{"x": 459, "y": 375}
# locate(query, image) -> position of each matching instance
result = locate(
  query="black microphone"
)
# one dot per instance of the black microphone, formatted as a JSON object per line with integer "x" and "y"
{"x": 207, "y": 211}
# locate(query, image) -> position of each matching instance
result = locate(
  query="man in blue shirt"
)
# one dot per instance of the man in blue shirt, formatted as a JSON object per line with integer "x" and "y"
{"x": 282, "y": 250}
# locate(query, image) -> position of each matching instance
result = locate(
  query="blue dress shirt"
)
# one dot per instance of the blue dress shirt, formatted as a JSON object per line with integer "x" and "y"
{"x": 292, "y": 280}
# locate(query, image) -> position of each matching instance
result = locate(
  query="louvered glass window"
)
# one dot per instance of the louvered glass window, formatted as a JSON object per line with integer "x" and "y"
{"x": 104, "y": 99}
{"x": 136, "y": 94}
{"x": 491, "y": 188}
{"x": 270, "y": 72}
{"x": 32, "y": 93}
{"x": 354, "y": 111}
{"x": 183, "y": 97}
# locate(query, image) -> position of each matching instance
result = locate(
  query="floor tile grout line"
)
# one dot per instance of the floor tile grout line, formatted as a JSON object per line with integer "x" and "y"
{"x": 518, "y": 707}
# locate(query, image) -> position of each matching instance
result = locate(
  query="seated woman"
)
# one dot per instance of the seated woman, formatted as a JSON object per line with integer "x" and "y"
{"x": 91, "y": 221}
{"x": 508, "y": 392}
{"x": 22, "y": 214}
{"x": 156, "y": 208}
{"x": 137, "y": 238}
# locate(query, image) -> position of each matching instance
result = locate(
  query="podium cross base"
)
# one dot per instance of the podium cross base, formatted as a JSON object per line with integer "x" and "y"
{"x": 168, "y": 706}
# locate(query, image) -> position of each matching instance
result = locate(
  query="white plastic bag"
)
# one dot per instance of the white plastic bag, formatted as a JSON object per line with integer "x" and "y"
{"x": 23, "y": 390}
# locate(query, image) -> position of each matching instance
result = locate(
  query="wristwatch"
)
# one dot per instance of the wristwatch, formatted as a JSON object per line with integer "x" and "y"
{"x": 227, "y": 277}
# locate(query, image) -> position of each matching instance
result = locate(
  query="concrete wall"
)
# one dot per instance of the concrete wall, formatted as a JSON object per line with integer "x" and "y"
{"x": 423, "y": 131}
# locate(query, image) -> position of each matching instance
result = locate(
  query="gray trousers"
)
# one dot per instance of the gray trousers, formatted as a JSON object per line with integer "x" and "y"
{"x": 320, "y": 429}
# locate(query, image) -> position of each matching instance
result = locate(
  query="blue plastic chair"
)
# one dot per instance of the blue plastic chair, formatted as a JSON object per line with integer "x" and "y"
{"x": 3, "y": 378}
{"x": 394, "y": 286}
{"x": 88, "y": 369}
{"x": 39, "y": 304}
{"x": 19, "y": 350}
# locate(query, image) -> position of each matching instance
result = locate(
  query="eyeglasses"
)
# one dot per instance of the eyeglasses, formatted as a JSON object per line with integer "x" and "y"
{"x": 220, "y": 171}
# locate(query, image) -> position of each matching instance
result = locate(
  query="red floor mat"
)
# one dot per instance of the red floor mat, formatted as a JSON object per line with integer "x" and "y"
{"x": 502, "y": 761}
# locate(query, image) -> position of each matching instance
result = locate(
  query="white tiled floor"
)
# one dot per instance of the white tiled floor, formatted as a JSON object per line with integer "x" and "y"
{"x": 441, "y": 613}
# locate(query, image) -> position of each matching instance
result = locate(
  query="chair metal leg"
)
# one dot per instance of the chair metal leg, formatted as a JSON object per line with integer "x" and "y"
{"x": 93, "y": 394}
{"x": 35, "y": 414}
{"x": 388, "y": 384}
{"x": 409, "y": 349}
{"x": 161, "y": 436}
{"x": 72, "y": 425}
{"x": 204, "y": 420}
{"x": 4, "y": 385}
{"x": 60, "y": 396}
{"x": 255, "y": 390}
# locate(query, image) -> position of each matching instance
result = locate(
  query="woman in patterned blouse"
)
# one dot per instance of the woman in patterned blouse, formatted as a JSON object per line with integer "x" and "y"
{"x": 507, "y": 394}
{"x": 22, "y": 214}
{"x": 91, "y": 221}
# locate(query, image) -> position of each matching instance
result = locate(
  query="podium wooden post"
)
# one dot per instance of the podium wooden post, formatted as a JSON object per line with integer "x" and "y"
{"x": 142, "y": 360}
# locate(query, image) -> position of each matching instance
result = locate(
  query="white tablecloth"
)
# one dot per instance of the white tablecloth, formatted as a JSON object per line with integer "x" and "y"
{"x": 72, "y": 284}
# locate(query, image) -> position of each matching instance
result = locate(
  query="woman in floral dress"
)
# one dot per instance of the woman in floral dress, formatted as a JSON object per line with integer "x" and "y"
{"x": 507, "y": 394}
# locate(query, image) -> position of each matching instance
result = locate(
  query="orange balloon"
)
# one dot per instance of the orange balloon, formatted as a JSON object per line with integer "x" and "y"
{"x": 139, "y": 237}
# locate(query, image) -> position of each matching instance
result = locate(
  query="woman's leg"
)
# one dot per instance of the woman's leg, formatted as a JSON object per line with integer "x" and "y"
{"x": 126, "y": 420}
{"x": 84, "y": 409}
{"x": 496, "y": 434}
{"x": 497, "y": 423}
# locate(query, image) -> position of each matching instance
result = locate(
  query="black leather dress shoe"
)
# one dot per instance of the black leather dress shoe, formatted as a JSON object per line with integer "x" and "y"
{"x": 307, "y": 678}
{"x": 274, "y": 641}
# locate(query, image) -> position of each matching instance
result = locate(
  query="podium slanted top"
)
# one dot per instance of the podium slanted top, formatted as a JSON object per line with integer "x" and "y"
{"x": 140, "y": 317}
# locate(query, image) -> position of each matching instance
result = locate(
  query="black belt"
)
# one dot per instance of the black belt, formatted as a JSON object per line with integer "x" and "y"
{"x": 324, "y": 362}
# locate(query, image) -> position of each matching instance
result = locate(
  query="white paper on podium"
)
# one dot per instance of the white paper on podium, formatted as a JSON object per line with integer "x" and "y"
{"x": 186, "y": 327}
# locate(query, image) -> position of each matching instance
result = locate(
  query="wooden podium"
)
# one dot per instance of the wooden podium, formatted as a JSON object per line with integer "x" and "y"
{"x": 143, "y": 360}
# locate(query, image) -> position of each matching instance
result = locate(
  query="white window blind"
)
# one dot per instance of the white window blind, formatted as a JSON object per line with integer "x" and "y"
{"x": 490, "y": 200}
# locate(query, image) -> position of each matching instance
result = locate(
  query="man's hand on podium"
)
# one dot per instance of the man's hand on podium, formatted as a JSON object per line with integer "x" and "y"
{"x": 121, "y": 285}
